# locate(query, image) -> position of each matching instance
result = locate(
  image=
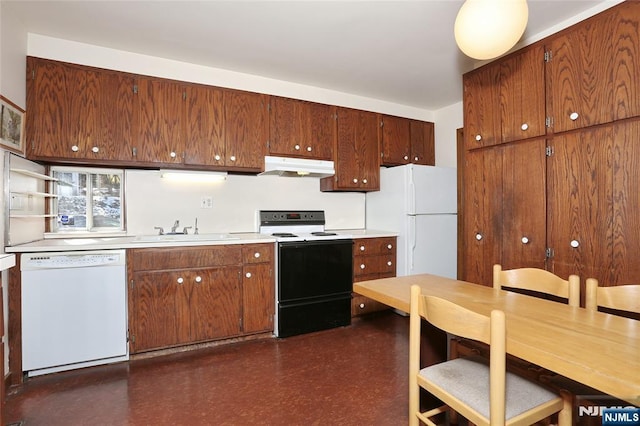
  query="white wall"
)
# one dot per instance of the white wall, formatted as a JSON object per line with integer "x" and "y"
{"x": 448, "y": 120}
{"x": 154, "y": 201}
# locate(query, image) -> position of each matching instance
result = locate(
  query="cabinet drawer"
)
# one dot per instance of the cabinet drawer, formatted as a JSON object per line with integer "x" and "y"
{"x": 367, "y": 246}
{"x": 150, "y": 259}
{"x": 361, "y": 305}
{"x": 257, "y": 253}
{"x": 380, "y": 265}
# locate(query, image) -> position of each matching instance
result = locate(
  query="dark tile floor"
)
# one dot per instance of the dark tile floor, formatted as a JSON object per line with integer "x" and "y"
{"x": 355, "y": 375}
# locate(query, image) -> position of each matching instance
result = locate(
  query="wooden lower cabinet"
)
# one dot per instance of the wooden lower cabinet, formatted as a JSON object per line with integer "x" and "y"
{"x": 373, "y": 258}
{"x": 185, "y": 295}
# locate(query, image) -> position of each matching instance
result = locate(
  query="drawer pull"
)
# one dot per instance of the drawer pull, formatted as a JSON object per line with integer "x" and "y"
{"x": 256, "y": 254}
{"x": 362, "y": 266}
{"x": 361, "y": 248}
{"x": 389, "y": 246}
{"x": 180, "y": 280}
{"x": 389, "y": 263}
{"x": 478, "y": 138}
{"x": 198, "y": 279}
{"x": 361, "y": 306}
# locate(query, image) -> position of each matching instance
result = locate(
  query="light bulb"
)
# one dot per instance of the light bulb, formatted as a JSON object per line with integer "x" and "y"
{"x": 486, "y": 29}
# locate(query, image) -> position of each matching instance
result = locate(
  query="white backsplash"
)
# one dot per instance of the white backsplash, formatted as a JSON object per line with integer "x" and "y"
{"x": 153, "y": 201}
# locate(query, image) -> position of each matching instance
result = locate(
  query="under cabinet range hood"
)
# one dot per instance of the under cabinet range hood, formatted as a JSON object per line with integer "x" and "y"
{"x": 299, "y": 167}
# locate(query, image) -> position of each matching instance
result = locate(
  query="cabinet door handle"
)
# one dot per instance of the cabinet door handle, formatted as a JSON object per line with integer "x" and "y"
{"x": 364, "y": 181}
{"x": 406, "y": 157}
{"x": 389, "y": 246}
{"x": 389, "y": 263}
{"x": 575, "y": 243}
{"x": 297, "y": 147}
{"x": 180, "y": 280}
{"x": 362, "y": 266}
{"x": 217, "y": 157}
{"x": 95, "y": 149}
{"x": 525, "y": 240}
{"x": 524, "y": 127}
{"x": 308, "y": 149}
{"x": 256, "y": 254}
{"x": 248, "y": 275}
{"x": 478, "y": 138}
{"x": 478, "y": 236}
{"x": 416, "y": 158}
{"x": 574, "y": 116}
{"x": 361, "y": 248}
{"x": 361, "y": 306}
{"x": 232, "y": 158}
{"x": 173, "y": 154}
{"x": 198, "y": 279}
{"x": 355, "y": 180}
{"x": 75, "y": 148}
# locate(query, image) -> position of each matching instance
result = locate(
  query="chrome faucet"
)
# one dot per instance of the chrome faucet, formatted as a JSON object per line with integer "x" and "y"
{"x": 175, "y": 226}
{"x": 160, "y": 230}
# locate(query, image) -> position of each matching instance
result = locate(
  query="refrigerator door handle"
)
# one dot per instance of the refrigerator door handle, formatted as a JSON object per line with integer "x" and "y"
{"x": 412, "y": 239}
{"x": 411, "y": 196}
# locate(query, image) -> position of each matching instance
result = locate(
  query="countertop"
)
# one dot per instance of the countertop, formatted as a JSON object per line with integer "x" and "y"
{"x": 127, "y": 242}
{"x": 7, "y": 261}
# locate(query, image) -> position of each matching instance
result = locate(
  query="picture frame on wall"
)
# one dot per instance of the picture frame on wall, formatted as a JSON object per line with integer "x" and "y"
{"x": 12, "y": 131}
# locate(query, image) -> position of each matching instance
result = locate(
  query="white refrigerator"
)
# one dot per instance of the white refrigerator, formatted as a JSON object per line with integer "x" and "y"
{"x": 420, "y": 204}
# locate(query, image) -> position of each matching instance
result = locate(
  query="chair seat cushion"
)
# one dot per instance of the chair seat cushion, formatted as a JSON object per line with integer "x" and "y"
{"x": 467, "y": 379}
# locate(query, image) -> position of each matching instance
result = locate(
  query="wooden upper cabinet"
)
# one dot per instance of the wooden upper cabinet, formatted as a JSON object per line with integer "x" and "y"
{"x": 595, "y": 69}
{"x": 301, "y": 129}
{"x": 481, "y": 98}
{"x": 422, "y": 142}
{"x": 356, "y": 156}
{"x": 522, "y": 94}
{"x": 204, "y": 127}
{"x": 77, "y": 113}
{"x": 246, "y": 129}
{"x": 161, "y": 111}
{"x": 395, "y": 140}
{"x": 405, "y": 141}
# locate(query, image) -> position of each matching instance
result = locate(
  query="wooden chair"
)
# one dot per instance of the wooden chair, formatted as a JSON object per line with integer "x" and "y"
{"x": 468, "y": 385}
{"x": 623, "y": 298}
{"x": 620, "y": 298}
{"x": 540, "y": 281}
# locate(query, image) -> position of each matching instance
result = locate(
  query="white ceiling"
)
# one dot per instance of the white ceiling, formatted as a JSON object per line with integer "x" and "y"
{"x": 397, "y": 51}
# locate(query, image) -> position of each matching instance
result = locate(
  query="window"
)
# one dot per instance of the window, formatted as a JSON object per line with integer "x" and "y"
{"x": 87, "y": 199}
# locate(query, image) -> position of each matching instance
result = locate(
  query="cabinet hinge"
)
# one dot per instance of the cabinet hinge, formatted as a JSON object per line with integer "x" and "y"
{"x": 131, "y": 283}
{"x": 134, "y": 151}
{"x": 381, "y": 123}
{"x": 547, "y": 56}
{"x": 548, "y": 121}
{"x": 135, "y": 88}
{"x": 132, "y": 339}
{"x": 184, "y": 96}
{"x": 549, "y": 252}
{"x": 33, "y": 74}
{"x": 548, "y": 151}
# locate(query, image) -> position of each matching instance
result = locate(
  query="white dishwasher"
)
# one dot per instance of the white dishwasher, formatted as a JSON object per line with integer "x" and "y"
{"x": 74, "y": 310}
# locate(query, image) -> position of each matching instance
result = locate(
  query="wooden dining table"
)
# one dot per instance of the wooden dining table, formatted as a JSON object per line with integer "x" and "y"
{"x": 597, "y": 349}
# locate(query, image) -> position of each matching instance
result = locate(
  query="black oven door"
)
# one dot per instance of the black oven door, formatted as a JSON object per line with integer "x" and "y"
{"x": 314, "y": 286}
{"x": 309, "y": 269}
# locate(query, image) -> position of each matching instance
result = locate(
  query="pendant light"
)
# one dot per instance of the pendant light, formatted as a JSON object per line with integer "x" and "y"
{"x": 486, "y": 29}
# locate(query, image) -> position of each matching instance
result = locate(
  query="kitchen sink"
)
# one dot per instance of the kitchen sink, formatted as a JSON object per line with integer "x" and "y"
{"x": 185, "y": 237}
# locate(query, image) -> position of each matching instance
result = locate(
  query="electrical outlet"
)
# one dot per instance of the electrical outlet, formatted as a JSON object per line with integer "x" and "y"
{"x": 206, "y": 202}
